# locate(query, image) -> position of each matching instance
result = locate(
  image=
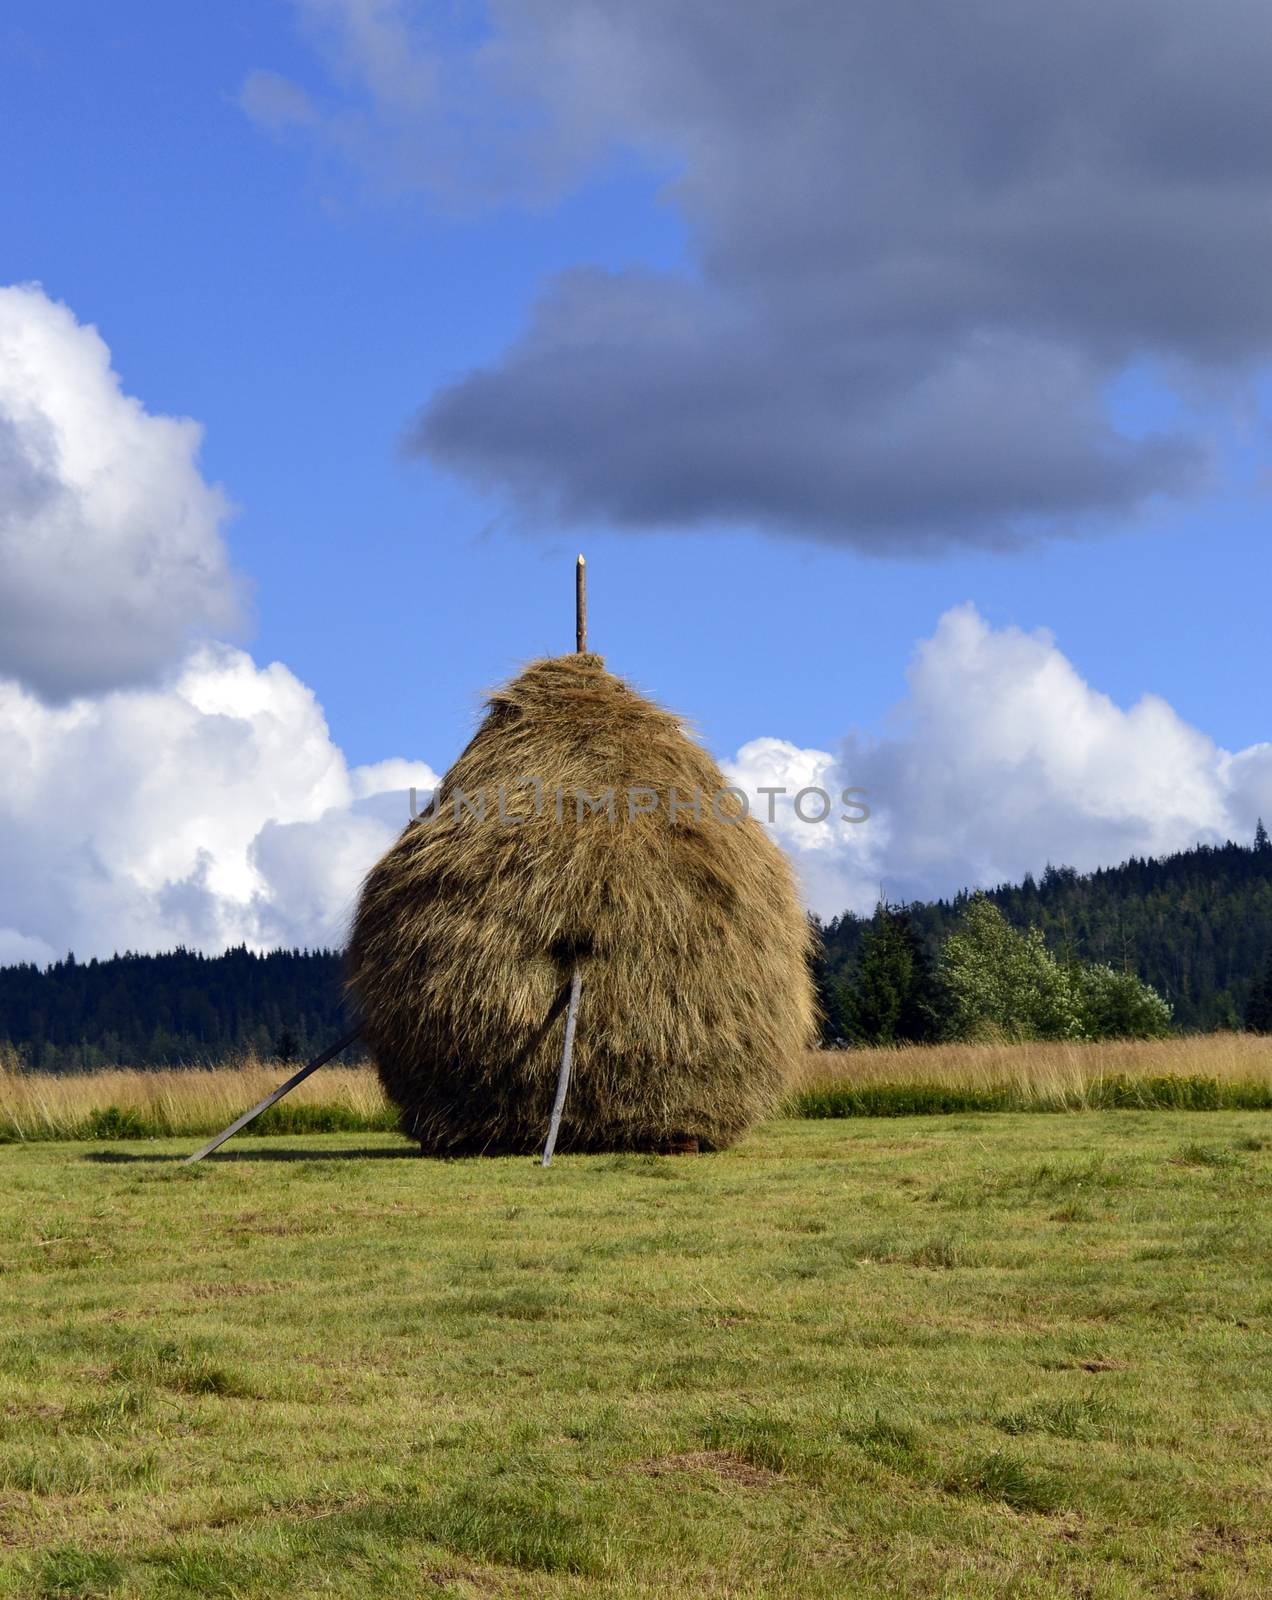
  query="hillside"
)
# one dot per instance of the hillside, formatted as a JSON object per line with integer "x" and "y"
{"x": 1196, "y": 925}
{"x": 158, "y": 1010}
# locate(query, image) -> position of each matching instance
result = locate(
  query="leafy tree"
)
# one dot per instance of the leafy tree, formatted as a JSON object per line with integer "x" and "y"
{"x": 891, "y": 996}
{"x": 1003, "y": 982}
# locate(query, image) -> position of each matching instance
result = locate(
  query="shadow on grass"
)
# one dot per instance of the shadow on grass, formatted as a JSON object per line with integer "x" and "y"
{"x": 219, "y": 1157}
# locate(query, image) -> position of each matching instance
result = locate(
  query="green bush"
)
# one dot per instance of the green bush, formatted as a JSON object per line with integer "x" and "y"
{"x": 112, "y": 1122}
{"x": 1117, "y": 1005}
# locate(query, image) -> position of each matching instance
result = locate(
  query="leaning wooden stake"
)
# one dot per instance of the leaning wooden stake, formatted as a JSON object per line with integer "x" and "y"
{"x": 580, "y": 605}
{"x": 269, "y": 1100}
{"x": 563, "y": 1077}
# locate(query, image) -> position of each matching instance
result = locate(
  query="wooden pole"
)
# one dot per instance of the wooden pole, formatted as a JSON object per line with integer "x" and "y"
{"x": 563, "y": 1077}
{"x": 580, "y": 605}
{"x": 269, "y": 1100}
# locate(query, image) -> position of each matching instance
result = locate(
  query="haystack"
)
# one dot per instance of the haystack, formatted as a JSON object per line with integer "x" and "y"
{"x": 687, "y": 931}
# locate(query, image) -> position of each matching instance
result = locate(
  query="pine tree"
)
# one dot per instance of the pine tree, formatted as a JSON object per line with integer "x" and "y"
{"x": 1258, "y": 1016}
{"x": 824, "y": 985}
{"x": 891, "y": 996}
{"x": 1262, "y": 844}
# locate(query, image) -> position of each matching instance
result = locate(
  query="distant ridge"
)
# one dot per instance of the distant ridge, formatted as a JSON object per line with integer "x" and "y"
{"x": 179, "y": 1007}
{"x": 1196, "y": 925}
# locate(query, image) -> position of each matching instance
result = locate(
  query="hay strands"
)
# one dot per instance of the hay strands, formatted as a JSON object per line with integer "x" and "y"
{"x": 272, "y": 1099}
{"x": 567, "y": 1053}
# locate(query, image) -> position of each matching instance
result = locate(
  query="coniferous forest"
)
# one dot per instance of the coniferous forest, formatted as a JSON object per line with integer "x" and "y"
{"x": 1196, "y": 926}
{"x": 179, "y": 1007}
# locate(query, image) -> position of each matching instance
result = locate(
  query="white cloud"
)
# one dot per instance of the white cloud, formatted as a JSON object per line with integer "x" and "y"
{"x": 1005, "y": 759}
{"x": 111, "y": 553}
{"x": 17, "y": 948}
{"x": 157, "y": 790}
{"x": 394, "y": 776}
{"x": 212, "y": 810}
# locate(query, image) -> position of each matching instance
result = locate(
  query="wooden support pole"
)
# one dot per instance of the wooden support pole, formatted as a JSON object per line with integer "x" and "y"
{"x": 563, "y": 1077}
{"x": 269, "y": 1100}
{"x": 580, "y": 605}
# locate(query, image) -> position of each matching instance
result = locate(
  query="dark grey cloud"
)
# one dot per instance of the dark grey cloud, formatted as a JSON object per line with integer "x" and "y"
{"x": 651, "y": 424}
{"x": 926, "y": 238}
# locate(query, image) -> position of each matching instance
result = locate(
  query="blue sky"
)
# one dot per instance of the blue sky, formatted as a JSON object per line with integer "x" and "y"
{"x": 302, "y": 305}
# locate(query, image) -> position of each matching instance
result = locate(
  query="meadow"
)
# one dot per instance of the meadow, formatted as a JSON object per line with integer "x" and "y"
{"x": 967, "y": 1355}
{"x": 1200, "y": 1072}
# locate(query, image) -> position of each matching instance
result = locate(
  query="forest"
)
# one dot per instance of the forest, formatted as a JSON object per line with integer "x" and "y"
{"x": 171, "y": 1009}
{"x": 1195, "y": 926}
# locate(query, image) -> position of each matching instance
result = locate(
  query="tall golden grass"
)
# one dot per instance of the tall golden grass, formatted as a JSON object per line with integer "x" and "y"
{"x": 1045, "y": 1074}
{"x": 185, "y": 1102}
{"x": 1047, "y": 1066}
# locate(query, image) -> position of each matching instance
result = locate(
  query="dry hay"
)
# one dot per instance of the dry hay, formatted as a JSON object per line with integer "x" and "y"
{"x": 696, "y": 1001}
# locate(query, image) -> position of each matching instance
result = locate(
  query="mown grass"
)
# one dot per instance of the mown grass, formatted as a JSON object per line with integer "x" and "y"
{"x": 964, "y": 1356}
{"x": 1225, "y": 1071}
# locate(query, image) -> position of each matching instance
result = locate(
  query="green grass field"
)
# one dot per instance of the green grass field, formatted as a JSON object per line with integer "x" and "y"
{"x": 1007, "y": 1355}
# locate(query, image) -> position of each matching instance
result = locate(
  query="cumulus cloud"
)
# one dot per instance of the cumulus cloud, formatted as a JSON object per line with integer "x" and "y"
{"x": 925, "y": 242}
{"x": 111, "y": 555}
{"x": 210, "y": 811}
{"x": 1004, "y": 759}
{"x": 156, "y": 791}
{"x": 17, "y": 949}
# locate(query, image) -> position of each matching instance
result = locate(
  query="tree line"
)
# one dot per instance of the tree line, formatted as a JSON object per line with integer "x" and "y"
{"x": 989, "y": 981}
{"x": 166, "y": 1010}
{"x": 1184, "y": 941}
